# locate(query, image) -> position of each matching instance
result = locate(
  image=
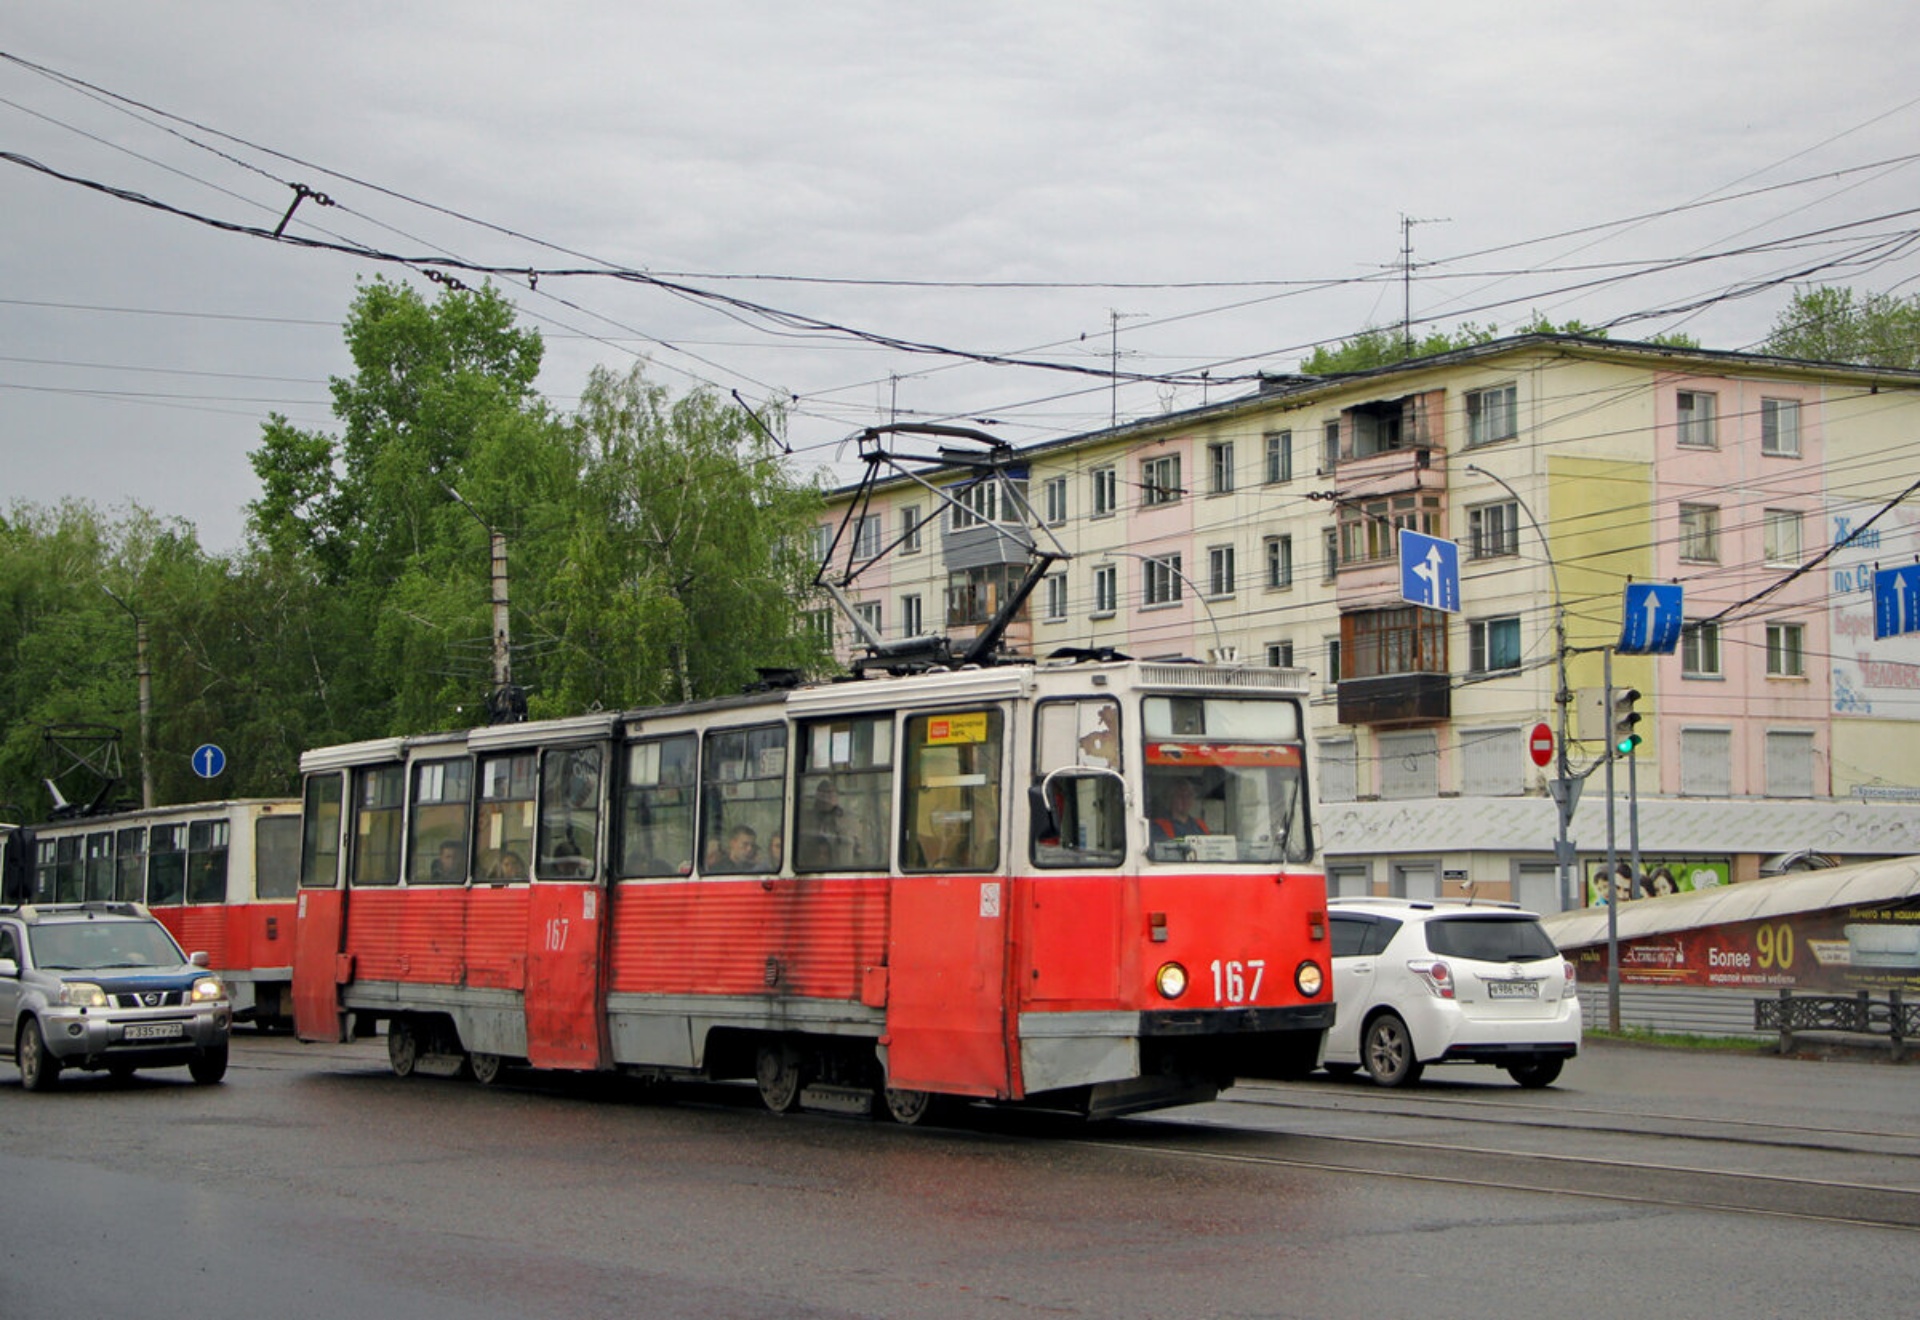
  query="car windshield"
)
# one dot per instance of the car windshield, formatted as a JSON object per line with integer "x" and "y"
{"x": 72, "y": 946}
{"x": 1490, "y": 939}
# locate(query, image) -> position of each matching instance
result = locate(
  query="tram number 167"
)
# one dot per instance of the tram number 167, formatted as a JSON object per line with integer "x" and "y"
{"x": 557, "y": 934}
{"x": 1237, "y": 982}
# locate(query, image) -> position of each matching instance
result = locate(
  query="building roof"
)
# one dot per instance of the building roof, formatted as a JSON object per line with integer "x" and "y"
{"x": 1863, "y": 885}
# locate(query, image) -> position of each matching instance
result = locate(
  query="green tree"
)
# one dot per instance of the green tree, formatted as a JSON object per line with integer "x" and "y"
{"x": 1837, "y": 324}
{"x": 1378, "y": 347}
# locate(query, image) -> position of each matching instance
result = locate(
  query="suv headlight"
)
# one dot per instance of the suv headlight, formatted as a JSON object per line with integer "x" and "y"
{"x": 207, "y": 989}
{"x": 82, "y": 994}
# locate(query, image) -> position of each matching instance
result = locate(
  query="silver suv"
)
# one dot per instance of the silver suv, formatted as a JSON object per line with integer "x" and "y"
{"x": 1419, "y": 982}
{"x": 105, "y": 986}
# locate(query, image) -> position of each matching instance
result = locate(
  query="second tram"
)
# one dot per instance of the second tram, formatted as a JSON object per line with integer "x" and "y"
{"x": 1082, "y": 886}
{"x": 221, "y": 876}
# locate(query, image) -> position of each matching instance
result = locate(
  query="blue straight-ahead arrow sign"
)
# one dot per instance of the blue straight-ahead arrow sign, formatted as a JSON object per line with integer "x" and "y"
{"x": 208, "y": 761}
{"x": 1896, "y": 601}
{"x": 1429, "y": 571}
{"x": 1651, "y": 619}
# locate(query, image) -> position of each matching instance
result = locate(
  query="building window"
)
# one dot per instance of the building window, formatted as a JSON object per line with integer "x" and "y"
{"x": 1409, "y": 765}
{"x": 975, "y": 505}
{"x": 869, "y": 614}
{"x": 1408, "y": 639}
{"x": 1700, "y": 533}
{"x": 1789, "y": 764}
{"x": 1220, "y": 468}
{"x": 1782, "y": 537}
{"x": 1106, "y": 589}
{"x": 1220, "y": 570}
{"x": 910, "y": 621}
{"x": 1786, "y": 650}
{"x": 1780, "y": 427}
{"x": 1106, "y": 492}
{"x": 1056, "y": 595}
{"x": 866, "y": 537}
{"x": 1706, "y": 762}
{"x": 910, "y": 530}
{"x": 1492, "y": 415}
{"x": 1279, "y": 457}
{"x": 1160, "y": 480}
{"x": 1495, "y": 644}
{"x": 819, "y": 625}
{"x": 1700, "y": 650}
{"x": 1371, "y": 531}
{"x": 975, "y": 595}
{"x": 1333, "y": 661}
{"x": 822, "y": 543}
{"x": 1056, "y": 497}
{"x": 1330, "y": 554}
{"x": 1493, "y": 529}
{"x": 1695, "y": 411}
{"x": 1280, "y": 655}
{"x": 1279, "y": 561}
{"x": 1162, "y": 580}
{"x": 1330, "y": 446}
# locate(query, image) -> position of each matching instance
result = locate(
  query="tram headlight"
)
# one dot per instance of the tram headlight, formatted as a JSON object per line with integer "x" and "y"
{"x": 82, "y": 994}
{"x": 1308, "y": 978}
{"x": 208, "y": 989}
{"x": 1171, "y": 980}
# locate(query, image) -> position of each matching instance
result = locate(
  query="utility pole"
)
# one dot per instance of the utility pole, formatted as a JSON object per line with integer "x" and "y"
{"x": 1407, "y": 222}
{"x": 502, "y": 640}
{"x": 144, "y": 675}
{"x": 1113, "y": 332}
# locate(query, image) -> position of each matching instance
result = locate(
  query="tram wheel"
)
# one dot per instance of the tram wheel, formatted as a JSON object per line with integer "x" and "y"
{"x": 906, "y": 1108}
{"x": 777, "y": 1073}
{"x": 403, "y": 1047}
{"x": 486, "y": 1068}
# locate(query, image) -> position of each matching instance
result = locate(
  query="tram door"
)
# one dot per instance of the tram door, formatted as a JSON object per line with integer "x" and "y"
{"x": 320, "y": 917}
{"x": 947, "y": 1027}
{"x": 566, "y": 916}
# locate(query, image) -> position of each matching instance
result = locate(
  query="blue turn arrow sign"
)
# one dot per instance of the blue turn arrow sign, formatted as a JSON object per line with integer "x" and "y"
{"x": 1652, "y": 619}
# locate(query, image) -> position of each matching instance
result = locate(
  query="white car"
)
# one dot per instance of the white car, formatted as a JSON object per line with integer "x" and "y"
{"x": 1418, "y": 982}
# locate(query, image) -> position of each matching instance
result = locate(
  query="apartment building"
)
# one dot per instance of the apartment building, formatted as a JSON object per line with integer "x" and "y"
{"x": 1263, "y": 530}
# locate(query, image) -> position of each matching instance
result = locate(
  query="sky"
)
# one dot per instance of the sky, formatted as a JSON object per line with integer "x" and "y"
{"x": 1189, "y": 194}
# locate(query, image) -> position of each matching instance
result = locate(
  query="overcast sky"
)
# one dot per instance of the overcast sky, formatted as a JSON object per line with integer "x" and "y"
{"x": 1197, "y": 187}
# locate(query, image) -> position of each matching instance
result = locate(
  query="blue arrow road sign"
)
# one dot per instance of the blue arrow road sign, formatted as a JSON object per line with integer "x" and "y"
{"x": 1896, "y": 600}
{"x": 1429, "y": 571}
{"x": 208, "y": 761}
{"x": 1652, "y": 619}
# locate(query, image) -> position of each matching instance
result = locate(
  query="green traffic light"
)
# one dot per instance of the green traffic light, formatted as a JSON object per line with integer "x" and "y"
{"x": 1627, "y": 744}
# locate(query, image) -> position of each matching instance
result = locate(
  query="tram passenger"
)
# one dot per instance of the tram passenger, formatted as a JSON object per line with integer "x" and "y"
{"x": 450, "y": 867}
{"x": 509, "y": 866}
{"x": 824, "y": 837}
{"x": 1181, "y": 819}
{"x": 740, "y": 853}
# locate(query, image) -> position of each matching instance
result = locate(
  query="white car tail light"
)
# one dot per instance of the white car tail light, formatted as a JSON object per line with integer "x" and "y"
{"x": 1435, "y": 975}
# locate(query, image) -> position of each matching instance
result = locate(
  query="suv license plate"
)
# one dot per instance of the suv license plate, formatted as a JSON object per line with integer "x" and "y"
{"x": 1513, "y": 989}
{"x": 154, "y": 1031}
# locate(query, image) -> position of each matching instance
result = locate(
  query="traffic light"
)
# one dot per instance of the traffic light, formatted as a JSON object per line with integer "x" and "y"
{"x": 1625, "y": 717}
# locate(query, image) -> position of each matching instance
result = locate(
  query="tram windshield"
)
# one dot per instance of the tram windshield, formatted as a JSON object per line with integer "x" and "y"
{"x": 1225, "y": 779}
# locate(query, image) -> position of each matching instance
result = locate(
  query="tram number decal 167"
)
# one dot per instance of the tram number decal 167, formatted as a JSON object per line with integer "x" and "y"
{"x": 557, "y": 934}
{"x": 1238, "y": 982}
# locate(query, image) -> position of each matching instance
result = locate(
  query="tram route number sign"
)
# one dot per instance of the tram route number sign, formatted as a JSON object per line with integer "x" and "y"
{"x": 209, "y": 761}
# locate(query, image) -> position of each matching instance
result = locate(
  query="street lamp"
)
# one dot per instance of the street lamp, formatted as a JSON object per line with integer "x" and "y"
{"x": 1563, "y": 788}
{"x": 1219, "y": 645}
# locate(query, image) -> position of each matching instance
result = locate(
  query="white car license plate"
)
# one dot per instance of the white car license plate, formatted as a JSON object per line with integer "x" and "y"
{"x": 153, "y": 1031}
{"x": 1513, "y": 989}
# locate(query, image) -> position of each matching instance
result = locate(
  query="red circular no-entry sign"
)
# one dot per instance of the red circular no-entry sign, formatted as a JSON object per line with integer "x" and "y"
{"x": 1540, "y": 744}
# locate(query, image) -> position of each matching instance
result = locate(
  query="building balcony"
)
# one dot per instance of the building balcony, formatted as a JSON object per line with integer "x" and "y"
{"x": 1396, "y": 699}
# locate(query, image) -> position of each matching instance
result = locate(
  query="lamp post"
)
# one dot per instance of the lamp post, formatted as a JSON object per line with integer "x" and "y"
{"x": 1219, "y": 644}
{"x": 145, "y": 677}
{"x": 1565, "y": 787}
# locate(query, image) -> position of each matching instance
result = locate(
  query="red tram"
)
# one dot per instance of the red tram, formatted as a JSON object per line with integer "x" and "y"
{"x": 975, "y": 883}
{"x": 221, "y": 876}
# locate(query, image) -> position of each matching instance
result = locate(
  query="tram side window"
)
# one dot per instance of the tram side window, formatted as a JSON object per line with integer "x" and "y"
{"x": 743, "y": 802}
{"x": 276, "y": 856}
{"x": 844, "y": 795}
{"x": 379, "y": 797}
{"x": 505, "y": 818}
{"x": 952, "y": 805}
{"x": 57, "y": 875}
{"x": 437, "y": 831}
{"x": 130, "y": 866}
{"x": 656, "y": 808}
{"x": 207, "y": 861}
{"x": 1081, "y": 819}
{"x": 100, "y": 865}
{"x": 320, "y": 833}
{"x": 569, "y": 813}
{"x": 166, "y": 865}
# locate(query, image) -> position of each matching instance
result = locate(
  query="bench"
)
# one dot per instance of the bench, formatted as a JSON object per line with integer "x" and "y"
{"x": 1859, "y": 1014}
